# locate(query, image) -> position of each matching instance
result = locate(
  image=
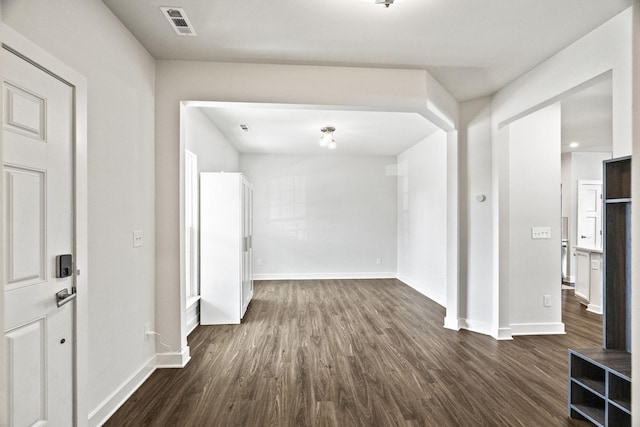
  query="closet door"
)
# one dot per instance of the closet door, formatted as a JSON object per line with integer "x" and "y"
{"x": 247, "y": 233}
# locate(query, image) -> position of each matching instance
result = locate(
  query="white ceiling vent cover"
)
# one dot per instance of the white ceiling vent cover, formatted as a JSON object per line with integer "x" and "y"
{"x": 179, "y": 21}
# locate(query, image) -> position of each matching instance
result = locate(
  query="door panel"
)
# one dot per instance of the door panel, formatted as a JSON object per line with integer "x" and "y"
{"x": 25, "y": 229}
{"x": 38, "y": 205}
{"x": 26, "y": 354}
{"x": 589, "y": 214}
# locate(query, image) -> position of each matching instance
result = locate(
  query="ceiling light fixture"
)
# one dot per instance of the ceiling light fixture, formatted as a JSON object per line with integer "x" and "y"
{"x": 326, "y": 140}
{"x": 386, "y": 3}
{"x": 574, "y": 145}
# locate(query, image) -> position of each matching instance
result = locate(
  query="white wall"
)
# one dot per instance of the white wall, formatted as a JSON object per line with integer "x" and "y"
{"x": 475, "y": 222}
{"x": 603, "y": 51}
{"x": 534, "y": 197}
{"x": 422, "y": 216}
{"x": 323, "y": 216}
{"x": 202, "y": 137}
{"x": 121, "y": 84}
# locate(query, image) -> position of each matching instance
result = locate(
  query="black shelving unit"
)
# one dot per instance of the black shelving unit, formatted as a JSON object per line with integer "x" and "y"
{"x": 600, "y": 379}
{"x": 600, "y": 386}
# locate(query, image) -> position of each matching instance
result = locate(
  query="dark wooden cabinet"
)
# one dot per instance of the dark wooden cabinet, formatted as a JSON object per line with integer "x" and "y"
{"x": 600, "y": 379}
{"x": 600, "y": 386}
{"x": 617, "y": 254}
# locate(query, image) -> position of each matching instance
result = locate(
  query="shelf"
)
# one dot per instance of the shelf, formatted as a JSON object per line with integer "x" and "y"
{"x": 617, "y": 175}
{"x": 600, "y": 386}
{"x": 595, "y": 386}
{"x": 595, "y": 415}
{"x": 620, "y": 392}
{"x": 618, "y": 418}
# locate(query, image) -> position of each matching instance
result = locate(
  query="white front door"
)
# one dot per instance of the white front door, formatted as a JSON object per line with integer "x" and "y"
{"x": 590, "y": 214}
{"x": 39, "y": 225}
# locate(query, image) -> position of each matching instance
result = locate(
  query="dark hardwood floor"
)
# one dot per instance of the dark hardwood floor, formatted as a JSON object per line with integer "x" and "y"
{"x": 361, "y": 353}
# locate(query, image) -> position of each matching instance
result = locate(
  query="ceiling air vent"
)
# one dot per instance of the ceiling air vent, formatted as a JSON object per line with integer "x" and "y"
{"x": 179, "y": 21}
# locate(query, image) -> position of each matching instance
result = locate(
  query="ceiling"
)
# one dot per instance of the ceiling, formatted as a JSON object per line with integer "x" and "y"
{"x": 472, "y": 47}
{"x": 587, "y": 118}
{"x": 277, "y": 129}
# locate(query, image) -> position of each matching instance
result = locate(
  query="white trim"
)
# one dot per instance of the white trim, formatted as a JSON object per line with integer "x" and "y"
{"x": 192, "y": 301}
{"x": 111, "y": 404}
{"x": 597, "y": 309}
{"x": 192, "y": 314}
{"x": 503, "y": 334}
{"x": 478, "y": 327}
{"x": 537, "y": 329}
{"x": 452, "y": 323}
{"x": 44, "y": 59}
{"x": 324, "y": 276}
{"x": 173, "y": 360}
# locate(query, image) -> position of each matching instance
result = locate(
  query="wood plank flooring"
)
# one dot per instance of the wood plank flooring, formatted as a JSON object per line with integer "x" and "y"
{"x": 360, "y": 353}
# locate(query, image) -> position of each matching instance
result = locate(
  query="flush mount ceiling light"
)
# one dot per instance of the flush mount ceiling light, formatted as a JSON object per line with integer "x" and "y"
{"x": 386, "y": 3}
{"x": 574, "y": 145}
{"x": 326, "y": 140}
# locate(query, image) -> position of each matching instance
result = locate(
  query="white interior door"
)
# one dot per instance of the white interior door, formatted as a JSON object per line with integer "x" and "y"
{"x": 589, "y": 214}
{"x": 39, "y": 225}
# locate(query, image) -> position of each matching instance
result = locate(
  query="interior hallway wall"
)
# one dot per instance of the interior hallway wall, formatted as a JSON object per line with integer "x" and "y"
{"x": 215, "y": 153}
{"x": 322, "y": 216}
{"x": 422, "y": 216}
{"x": 476, "y": 303}
{"x": 121, "y": 84}
{"x": 534, "y": 197}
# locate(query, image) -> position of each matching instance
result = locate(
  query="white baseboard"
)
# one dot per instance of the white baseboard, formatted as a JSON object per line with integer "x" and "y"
{"x": 537, "y": 328}
{"x": 503, "y": 334}
{"x": 478, "y": 327}
{"x": 110, "y": 405}
{"x": 597, "y": 309}
{"x": 326, "y": 276}
{"x": 173, "y": 360}
{"x": 452, "y": 323}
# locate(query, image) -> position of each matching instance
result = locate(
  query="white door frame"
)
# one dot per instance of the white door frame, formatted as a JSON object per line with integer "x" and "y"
{"x": 23, "y": 47}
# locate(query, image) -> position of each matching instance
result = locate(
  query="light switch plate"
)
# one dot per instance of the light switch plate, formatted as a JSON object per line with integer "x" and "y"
{"x": 137, "y": 238}
{"x": 540, "y": 232}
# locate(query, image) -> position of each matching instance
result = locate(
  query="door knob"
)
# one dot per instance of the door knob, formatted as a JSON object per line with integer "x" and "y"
{"x": 63, "y": 297}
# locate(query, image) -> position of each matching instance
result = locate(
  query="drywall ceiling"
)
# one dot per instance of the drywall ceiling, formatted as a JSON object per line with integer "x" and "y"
{"x": 277, "y": 129}
{"x": 587, "y": 118}
{"x": 473, "y": 47}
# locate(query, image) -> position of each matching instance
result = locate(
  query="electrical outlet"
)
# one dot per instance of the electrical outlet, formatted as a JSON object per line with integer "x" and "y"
{"x": 546, "y": 300}
{"x": 259, "y": 261}
{"x": 147, "y": 329}
{"x": 378, "y": 261}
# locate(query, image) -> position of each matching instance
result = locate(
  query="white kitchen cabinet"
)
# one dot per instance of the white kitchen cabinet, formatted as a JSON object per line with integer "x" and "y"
{"x": 226, "y": 229}
{"x": 589, "y": 278}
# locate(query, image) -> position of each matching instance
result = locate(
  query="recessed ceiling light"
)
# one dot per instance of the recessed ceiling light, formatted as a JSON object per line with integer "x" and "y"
{"x": 574, "y": 145}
